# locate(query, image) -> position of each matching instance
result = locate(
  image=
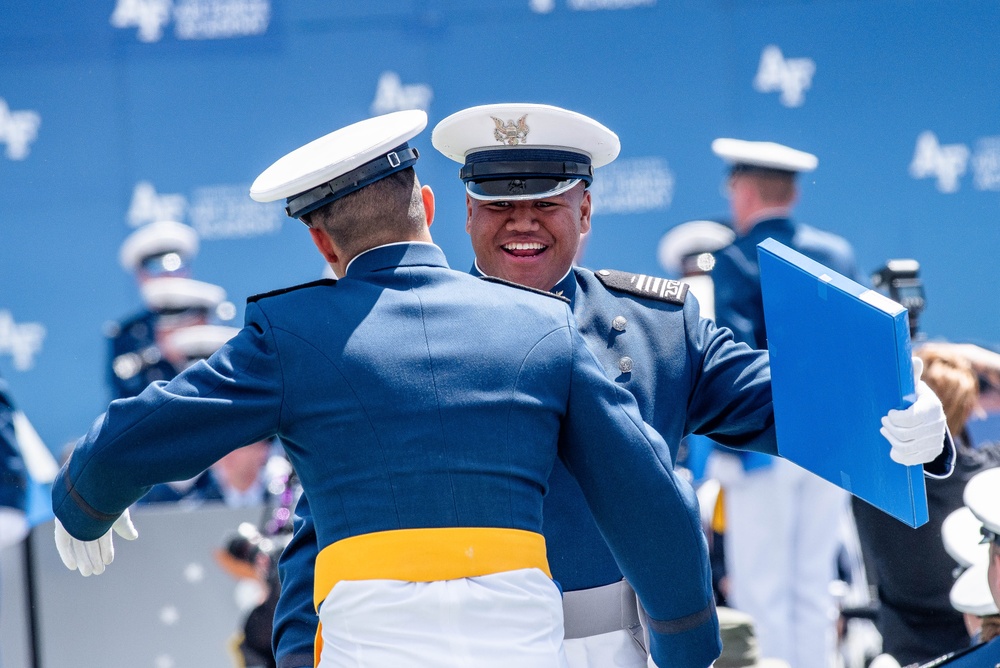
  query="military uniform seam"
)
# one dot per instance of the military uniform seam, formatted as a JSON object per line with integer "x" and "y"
{"x": 437, "y": 398}
{"x": 277, "y": 355}
{"x": 510, "y": 402}
{"x": 371, "y": 423}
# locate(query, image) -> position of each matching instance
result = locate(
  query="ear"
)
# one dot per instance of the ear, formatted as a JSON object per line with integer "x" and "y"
{"x": 585, "y": 209}
{"x": 325, "y": 245}
{"x": 468, "y": 214}
{"x": 428, "y": 197}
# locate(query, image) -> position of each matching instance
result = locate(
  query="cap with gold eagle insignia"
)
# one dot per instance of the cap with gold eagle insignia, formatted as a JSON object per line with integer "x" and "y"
{"x": 521, "y": 151}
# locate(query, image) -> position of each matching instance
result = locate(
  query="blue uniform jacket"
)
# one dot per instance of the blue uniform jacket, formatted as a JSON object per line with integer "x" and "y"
{"x": 134, "y": 358}
{"x": 408, "y": 395}
{"x": 687, "y": 377}
{"x": 736, "y": 275}
{"x": 736, "y": 278}
{"x": 13, "y": 473}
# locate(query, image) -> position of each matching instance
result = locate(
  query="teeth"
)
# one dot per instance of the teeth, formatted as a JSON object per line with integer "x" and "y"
{"x": 524, "y": 246}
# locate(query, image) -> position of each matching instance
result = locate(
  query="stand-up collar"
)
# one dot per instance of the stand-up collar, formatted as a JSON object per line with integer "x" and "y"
{"x": 768, "y": 226}
{"x": 399, "y": 254}
{"x": 566, "y": 287}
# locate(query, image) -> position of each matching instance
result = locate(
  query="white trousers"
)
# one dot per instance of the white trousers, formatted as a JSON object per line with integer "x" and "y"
{"x": 493, "y": 621}
{"x": 617, "y": 649}
{"x": 782, "y": 535}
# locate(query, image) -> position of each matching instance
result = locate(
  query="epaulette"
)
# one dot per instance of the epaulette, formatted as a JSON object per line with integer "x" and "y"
{"x": 494, "y": 279}
{"x": 281, "y": 291}
{"x": 640, "y": 285}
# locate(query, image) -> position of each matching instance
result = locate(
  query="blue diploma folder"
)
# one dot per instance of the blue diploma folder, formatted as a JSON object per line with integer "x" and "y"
{"x": 840, "y": 359}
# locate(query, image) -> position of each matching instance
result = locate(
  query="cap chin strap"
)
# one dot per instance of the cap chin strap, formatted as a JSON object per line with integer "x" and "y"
{"x": 396, "y": 160}
{"x": 565, "y": 187}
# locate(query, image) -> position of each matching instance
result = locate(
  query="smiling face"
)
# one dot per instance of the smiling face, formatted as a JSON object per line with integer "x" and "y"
{"x": 530, "y": 242}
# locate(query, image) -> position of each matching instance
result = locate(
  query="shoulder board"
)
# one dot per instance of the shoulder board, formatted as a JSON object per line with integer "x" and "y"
{"x": 494, "y": 279}
{"x": 640, "y": 285}
{"x": 275, "y": 293}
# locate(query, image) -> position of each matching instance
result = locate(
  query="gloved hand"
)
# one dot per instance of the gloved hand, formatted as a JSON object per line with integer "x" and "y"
{"x": 91, "y": 556}
{"x": 916, "y": 433}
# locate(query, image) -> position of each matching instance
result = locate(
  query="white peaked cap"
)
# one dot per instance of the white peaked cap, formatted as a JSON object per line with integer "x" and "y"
{"x": 694, "y": 236}
{"x": 982, "y": 496}
{"x": 200, "y": 341}
{"x": 174, "y": 293}
{"x": 971, "y": 592}
{"x": 482, "y": 128}
{"x": 962, "y": 540}
{"x": 763, "y": 154}
{"x": 320, "y": 163}
{"x": 163, "y": 236}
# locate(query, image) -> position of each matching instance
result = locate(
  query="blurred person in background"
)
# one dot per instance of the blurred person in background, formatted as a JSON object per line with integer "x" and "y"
{"x": 982, "y": 498}
{"x": 782, "y": 522}
{"x": 915, "y": 616}
{"x": 163, "y": 248}
{"x": 13, "y": 475}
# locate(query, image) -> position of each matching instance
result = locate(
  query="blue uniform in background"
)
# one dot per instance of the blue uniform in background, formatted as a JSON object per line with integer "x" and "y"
{"x": 411, "y": 396}
{"x": 782, "y": 523}
{"x": 686, "y": 375}
{"x": 738, "y": 302}
{"x": 134, "y": 358}
{"x": 13, "y": 473}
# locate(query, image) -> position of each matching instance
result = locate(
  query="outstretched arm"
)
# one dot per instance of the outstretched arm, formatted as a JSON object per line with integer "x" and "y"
{"x": 647, "y": 514}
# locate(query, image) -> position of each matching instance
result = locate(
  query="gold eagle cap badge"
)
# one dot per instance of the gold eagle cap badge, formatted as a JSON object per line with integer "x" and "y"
{"x": 511, "y": 133}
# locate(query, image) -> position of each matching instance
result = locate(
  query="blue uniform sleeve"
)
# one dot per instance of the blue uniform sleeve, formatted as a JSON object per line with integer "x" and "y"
{"x": 13, "y": 474}
{"x": 646, "y": 513}
{"x": 738, "y": 305}
{"x": 730, "y": 401}
{"x": 295, "y": 618}
{"x": 172, "y": 431}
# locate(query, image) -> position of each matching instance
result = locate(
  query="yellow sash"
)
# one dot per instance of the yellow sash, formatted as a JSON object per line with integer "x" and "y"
{"x": 425, "y": 555}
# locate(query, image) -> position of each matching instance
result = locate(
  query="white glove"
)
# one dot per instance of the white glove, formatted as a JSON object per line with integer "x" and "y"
{"x": 91, "y": 556}
{"x": 916, "y": 433}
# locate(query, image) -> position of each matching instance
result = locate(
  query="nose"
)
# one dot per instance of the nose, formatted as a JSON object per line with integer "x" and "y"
{"x": 521, "y": 219}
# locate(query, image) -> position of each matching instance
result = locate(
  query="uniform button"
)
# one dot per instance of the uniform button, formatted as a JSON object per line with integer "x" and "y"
{"x": 618, "y": 324}
{"x": 625, "y": 364}
{"x": 604, "y": 272}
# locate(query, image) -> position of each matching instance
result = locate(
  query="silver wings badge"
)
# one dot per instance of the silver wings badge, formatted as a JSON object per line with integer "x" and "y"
{"x": 511, "y": 133}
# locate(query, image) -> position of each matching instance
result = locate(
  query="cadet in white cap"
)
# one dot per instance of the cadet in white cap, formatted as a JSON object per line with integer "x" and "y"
{"x": 688, "y": 251}
{"x": 982, "y": 496}
{"x": 647, "y": 331}
{"x": 143, "y": 353}
{"x": 779, "y": 563}
{"x": 162, "y": 249}
{"x": 423, "y": 409}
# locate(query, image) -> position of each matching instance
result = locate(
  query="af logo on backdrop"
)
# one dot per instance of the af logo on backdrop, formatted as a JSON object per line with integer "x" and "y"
{"x": 193, "y": 19}
{"x": 21, "y": 340}
{"x": 391, "y": 94}
{"x": 791, "y": 77}
{"x": 547, "y": 6}
{"x": 947, "y": 163}
{"x": 18, "y": 129}
{"x": 219, "y": 211}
